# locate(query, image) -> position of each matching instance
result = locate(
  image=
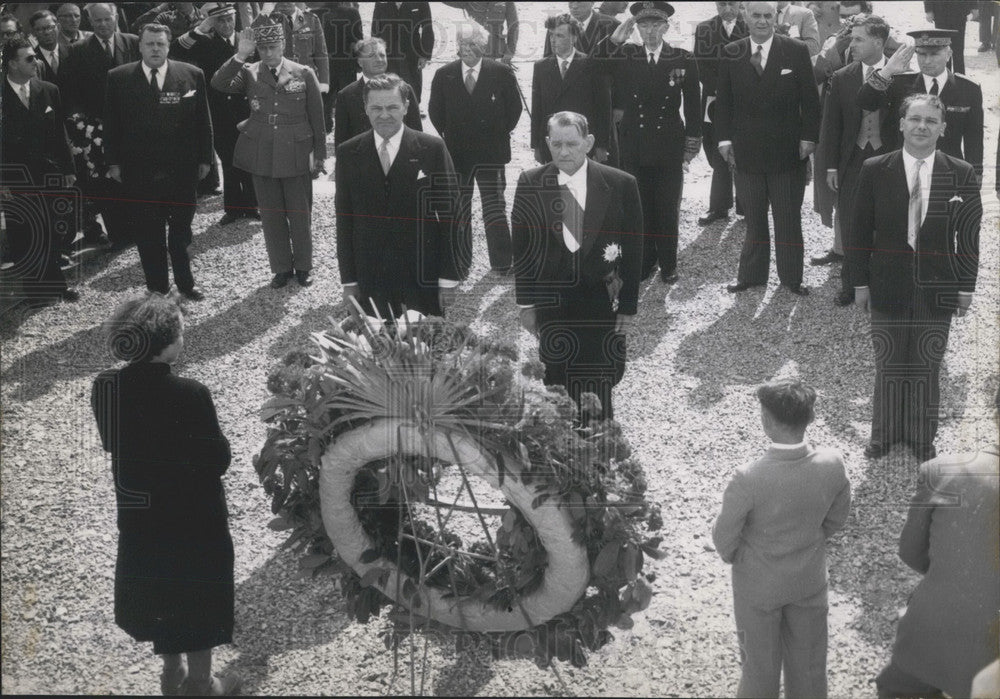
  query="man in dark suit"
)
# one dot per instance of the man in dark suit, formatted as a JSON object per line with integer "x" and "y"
{"x": 577, "y": 259}
{"x": 709, "y": 38}
{"x": 35, "y": 150}
{"x": 408, "y": 32}
{"x": 913, "y": 265}
{"x": 962, "y": 97}
{"x": 569, "y": 81}
{"x": 952, "y": 15}
{"x": 342, "y": 31}
{"x": 349, "y": 111}
{"x": 396, "y": 196}
{"x": 850, "y": 135}
{"x": 208, "y": 46}
{"x": 82, "y": 82}
{"x": 50, "y": 52}
{"x": 158, "y": 141}
{"x": 69, "y": 17}
{"x": 499, "y": 21}
{"x": 475, "y": 105}
{"x": 767, "y": 122}
{"x": 651, "y": 83}
{"x": 595, "y": 28}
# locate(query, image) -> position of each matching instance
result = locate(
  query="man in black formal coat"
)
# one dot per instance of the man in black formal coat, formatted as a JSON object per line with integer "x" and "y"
{"x": 916, "y": 261}
{"x": 767, "y": 122}
{"x": 35, "y": 150}
{"x": 658, "y": 135}
{"x": 342, "y": 29}
{"x": 962, "y": 97}
{"x": 349, "y": 109}
{"x": 408, "y": 32}
{"x": 475, "y": 105}
{"x": 709, "y": 38}
{"x": 952, "y": 15}
{"x": 850, "y": 135}
{"x": 158, "y": 141}
{"x": 396, "y": 197}
{"x": 51, "y": 54}
{"x": 82, "y": 82}
{"x": 577, "y": 259}
{"x": 208, "y": 46}
{"x": 569, "y": 81}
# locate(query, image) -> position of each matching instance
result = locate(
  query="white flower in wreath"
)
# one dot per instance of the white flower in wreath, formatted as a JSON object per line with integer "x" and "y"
{"x": 612, "y": 251}
{"x": 90, "y": 130}
{"x": 98, "y": 141}
{"x": 81, "y": 126}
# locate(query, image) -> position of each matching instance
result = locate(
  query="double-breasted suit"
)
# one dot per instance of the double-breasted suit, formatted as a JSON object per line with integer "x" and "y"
{"x": 396, "y": 232}
{"x": 476, "y": 128}
{"x": 765, "y": 117}
{"x": 572, "y": 291}
{"x": 34, "y": 147}
{"x": 661, "y": 105}
{"x": 209, "y": 52}
{"x": 278, "y": 144}
{"x": 583, "y": 90}
{"x": 709, "y": 38}
{"x": 82, "y": 80}
{"x": 351, "y": 118}
{"x": 963, "y": 101}
{"x": 159, "y": 139}
{"x": 777, "y": 514}
{"x": 913, "y": 290}
{"x": 408, "y": 32}
{"x": 950, "y": 630}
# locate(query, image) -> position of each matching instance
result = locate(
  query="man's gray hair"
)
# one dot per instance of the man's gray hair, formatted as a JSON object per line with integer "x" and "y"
{"x": 364, "y": 45}
{"x": 91, "y": 5}
{"x": 569, "y": 119}
{"x": 471, "y": 34}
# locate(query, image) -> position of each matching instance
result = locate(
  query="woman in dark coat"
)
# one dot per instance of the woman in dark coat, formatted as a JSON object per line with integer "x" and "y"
{"x": 174, "y": 575}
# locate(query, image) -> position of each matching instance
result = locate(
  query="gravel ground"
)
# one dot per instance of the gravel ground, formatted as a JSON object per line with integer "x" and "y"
{"x": 686, "y": 403}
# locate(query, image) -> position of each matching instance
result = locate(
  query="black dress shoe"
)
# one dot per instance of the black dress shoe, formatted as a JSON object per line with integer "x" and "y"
{"x": 712, "y": 217}
{"x": 193, "y": 294}
{"x": 253, "y": 213}
{"x": 281, "y": 279}
{"x": 797, "y": 289}
{"x": 876, "y": 450}
{"x": 228, "y": 218}
{"x": 924, "y": 452}
{"x": 302, "y": 277}
{"x": 740, "y": 286}
{"x": 828, "y": 258}
{"x": 102, "y": 242}
{"x": 70, "y": 296}
{"x": 669, "y": 277}
{"x": 844, "y": 298}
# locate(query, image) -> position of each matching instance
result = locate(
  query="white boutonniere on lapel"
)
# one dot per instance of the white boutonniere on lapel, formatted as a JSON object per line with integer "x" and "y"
{"x": 48, "y": 109}
{"x": 612, "y": 251}
{"x": 190, "y": 93}
{"x": 612, "y": 280}
{"x": 956, "y": 199}
{"x": 420, "y": 174}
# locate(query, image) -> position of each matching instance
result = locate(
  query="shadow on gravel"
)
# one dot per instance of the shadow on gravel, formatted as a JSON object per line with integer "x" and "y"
{"x": 314, "y": 320}
{"x": 239, "y": 325}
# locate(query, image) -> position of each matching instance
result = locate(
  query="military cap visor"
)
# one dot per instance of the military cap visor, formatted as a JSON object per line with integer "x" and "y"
{"x": 651, "y": 10}
{"x": 218, "y": 9}
{"x": 931, "y": 39}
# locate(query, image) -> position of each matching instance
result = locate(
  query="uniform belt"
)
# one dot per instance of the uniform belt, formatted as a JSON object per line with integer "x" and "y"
{"x": 283, "y": 119}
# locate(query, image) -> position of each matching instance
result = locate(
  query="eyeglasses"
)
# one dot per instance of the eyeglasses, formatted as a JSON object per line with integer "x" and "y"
{"x": 31, "y": 58}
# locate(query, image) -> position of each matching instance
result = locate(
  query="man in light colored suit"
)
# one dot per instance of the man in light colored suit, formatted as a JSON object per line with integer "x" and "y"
{"x": 777, "y": 514}
{"x": 950, "y": 628}
{"x": 798, "y": 23}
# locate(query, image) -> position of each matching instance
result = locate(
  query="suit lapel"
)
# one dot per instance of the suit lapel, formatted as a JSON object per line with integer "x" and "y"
{"x": 942, "y": 188}
{"x": 771, "y": 70}
{"x": 899, "y": 189}
{"x": 597, "y": 205}
{"x": 571, "y": 73}
{"x": 35, "y": 101}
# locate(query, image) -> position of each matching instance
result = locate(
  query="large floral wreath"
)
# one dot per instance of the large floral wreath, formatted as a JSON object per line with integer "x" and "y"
{"x": 362, "y": 437}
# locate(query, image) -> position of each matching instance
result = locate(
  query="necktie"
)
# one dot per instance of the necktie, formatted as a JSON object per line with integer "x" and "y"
{"x": 652, "y": 60}
{"x": 563, "y": 67}
{"x": 916, "y": 207}
{"x": 470, "y": 81}
{"x": 757, "y": 59}
{"x": 868, "y": 72}
{"x": 383, "y": 155}
{"x": 23, "y": 94}
{"x": 154, "y": 85}
{"x": 572, "y": 217}
{"x": 274, "y": 73}
{"x": 108, "y": 48}
{"x": 54, "y": 62}
{"x": 934, "y": 86}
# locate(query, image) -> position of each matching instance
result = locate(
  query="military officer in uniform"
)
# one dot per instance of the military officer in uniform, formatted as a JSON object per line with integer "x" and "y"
{"x": 657, "y": 140}
{"x": 282, "y": 144}
{"x": 962, "y": 97}
{"x": 305, "y": 41}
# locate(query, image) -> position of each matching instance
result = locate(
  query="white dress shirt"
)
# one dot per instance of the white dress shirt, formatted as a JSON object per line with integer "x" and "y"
{"x": 161, "y": 73}
{"x": 577, "y": 185}
{"x": 586, "y": 22}
{"x": 656, "y": 53}
{"x": 910, "y": 165}
{"x": 475, "y": 70}
{"x": 942, "y": 79}
{"x": 568, "y": 60}
{"x": 729, "y": 27}
{"x": 51, "y": 57}
{"x": 19, "y": 90}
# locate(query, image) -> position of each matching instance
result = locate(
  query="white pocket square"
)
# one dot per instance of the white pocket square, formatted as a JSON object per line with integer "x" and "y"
{"x": 956, "y": 198}
{"x": 190, "y": 93}
{"x": 786, "y": 71}
{"x": 420, "y": 173}
{"x": 48, "y": 109}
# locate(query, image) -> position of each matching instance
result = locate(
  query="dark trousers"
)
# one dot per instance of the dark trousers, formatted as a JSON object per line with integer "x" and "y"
{"x": 720, "y": 198}
{"x": 408, "y": 71}
{"x": 286, "y": 212}
{"x": 660, "y": 190}
{"x": 784, "y": 192}
{"x": 106, "y": 197}
{"x": 33, "y": 242}
{"x": 161, "y": 206}
{"x": 988, "y": 16}
{"x": 238, "y": 196}
{"x": 895, "y": 682}
{"x": 909, "y": 347}
{"x": 492, "y": 182}
{"x": 580, "y": 349}
{"x": 847, "y": 195}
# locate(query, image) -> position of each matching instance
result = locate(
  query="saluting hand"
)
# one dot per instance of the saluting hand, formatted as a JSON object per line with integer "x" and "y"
{"x": 246, "y": 45}
{"x": 898, "y": 62}
{"x": 623, "y": 32}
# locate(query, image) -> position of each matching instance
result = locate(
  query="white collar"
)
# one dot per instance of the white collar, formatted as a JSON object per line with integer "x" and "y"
{"x": 19, "y": 88}
{"x": 394, "y": 141}
{"x": 766, "y": 46}
{"x": 729, "y": 26}
{"x": 656, "y": 53}
{"x": 161, "y": 72}
{"x": 910, "y": 161}
{"x": 48, "y": 53}
{"x": 942, "y": 78}
{"x": 578, "y": 179}
{"x": 474, "y": 68}
{"x": 877, "y": 66}
{"x": 568, "y": 59}
{"x": 586, "y": 22}
{"x": 787, "y": 447}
